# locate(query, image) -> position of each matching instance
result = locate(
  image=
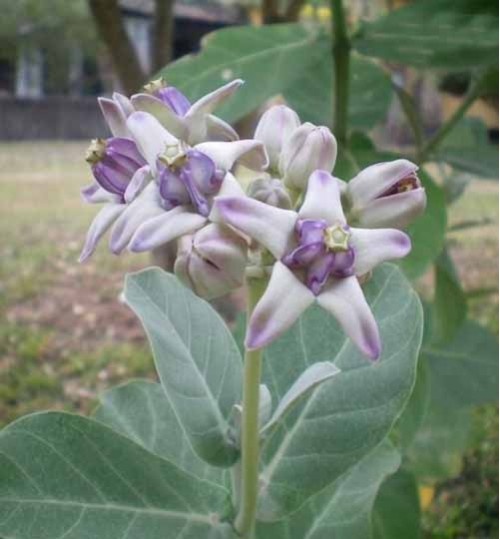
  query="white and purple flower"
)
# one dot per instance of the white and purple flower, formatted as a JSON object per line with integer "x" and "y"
{"x": 186, "y": 179}
{"x": 385, "y": 195}
{"x": 191, "y": 123}
{"x": 319, "y": 258}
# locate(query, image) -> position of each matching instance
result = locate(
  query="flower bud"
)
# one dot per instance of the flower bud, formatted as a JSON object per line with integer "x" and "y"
{"x": 274, "y": 128}
{"x": 386, "y": 195}
{"x": 309, "y": 148}
{"x": 114, "y": 162}
{"x": 211, "y": 261}
{"x": 270, "y": 191}
{"x": 169, "y": 95}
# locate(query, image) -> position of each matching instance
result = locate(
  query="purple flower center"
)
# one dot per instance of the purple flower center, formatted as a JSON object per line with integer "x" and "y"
{"x": 188, "y": 178}
{"x": 323, "y": 251}
{"x": 408, "y": 183}
{"x": 114, "y": 162}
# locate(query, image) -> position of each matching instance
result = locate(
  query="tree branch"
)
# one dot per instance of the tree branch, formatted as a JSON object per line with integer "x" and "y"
{"x": 110, "y": 27}
{"x": 162, "y": 34}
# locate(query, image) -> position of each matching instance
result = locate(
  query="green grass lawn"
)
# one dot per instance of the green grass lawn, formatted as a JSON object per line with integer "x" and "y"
{"x": 64, "y": 336}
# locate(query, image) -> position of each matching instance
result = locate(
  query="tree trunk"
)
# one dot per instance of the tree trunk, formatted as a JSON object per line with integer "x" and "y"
{"x": 111, "y": 30}
{"x": 162, "y": 34}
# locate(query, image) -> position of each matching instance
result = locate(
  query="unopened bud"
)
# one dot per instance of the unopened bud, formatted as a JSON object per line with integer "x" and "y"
{"x": 309, "y": 148}
{"x": 211, "y": 261}
{"x": 386, "y": 195}
{"x": 274, "y": 128}
{"x": 270, "y": 191}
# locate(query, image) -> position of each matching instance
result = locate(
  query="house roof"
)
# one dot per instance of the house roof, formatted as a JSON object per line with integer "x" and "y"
{"x": 201, "y": 11}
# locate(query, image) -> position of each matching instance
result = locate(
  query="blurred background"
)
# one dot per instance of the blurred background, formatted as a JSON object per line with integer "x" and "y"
{"x": 64, "y": 336}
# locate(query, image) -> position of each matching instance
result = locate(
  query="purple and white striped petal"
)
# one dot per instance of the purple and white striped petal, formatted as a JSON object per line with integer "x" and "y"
{"x": 95, "y": 194}
{"x": 144, "y": 207}
{"x": 250, "y": 153}
{"x": 174, "y": 99}
{"x": 165, "y": 115}
{"x": 164, "y": 228}
{"x": 209, "y": 102}
{"x": 102, "y": 221}
{"x": 219, "y": 130}
{"x": 345, "y": 300}
{"x": 150, "y": 136}
{"x": 115, "y": 117}
{"x": 376, "y": 179}
{"x": 395, "y": 211}
{"x": 372, "y": 247}
{"x": 137, "y": 183}
{"x": 322, "y": 199}
{"x": 270, "y": 226}
{"x": 284, "y": 300}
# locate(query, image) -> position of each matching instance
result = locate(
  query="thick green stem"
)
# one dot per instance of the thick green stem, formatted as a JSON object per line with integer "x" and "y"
{"x": 341, "y": 71}
{"x": 249, "y": 481}
{"x": 431, "y": 145}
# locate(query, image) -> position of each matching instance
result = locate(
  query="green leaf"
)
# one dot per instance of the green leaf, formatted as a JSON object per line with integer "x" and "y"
{"x": 196, "y": 357}
{"x": 397, "y": 508}
{"x": 468, "y": 149}
{"x": 428, "y": 231}
{"x": 63, "y": 475}
{"x": 450, "y": 303}
{"x": 141, "y": 411}
{"x": 410, "y": 110}
{"x": 348, "y": 416}
{"x": 307, "y": 382}
{"x": 450, "y": 34}
{"x": 464, "y": 372}
{"x": 369, "y": 97}
{"x": 268, "y": 58}
{"x": 343, "y": 510}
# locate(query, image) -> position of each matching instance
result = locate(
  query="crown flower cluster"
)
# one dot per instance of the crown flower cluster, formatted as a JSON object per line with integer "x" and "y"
{"x": 168, "y": 175}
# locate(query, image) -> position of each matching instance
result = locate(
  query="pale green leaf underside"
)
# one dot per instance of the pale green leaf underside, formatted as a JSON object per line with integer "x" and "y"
{"x": 348, "y": 416}
{"x": 141, "y": 411}
{"x": 65, "y": 476}
{"x": 342, "y": 510}
{"x": 197, "y": 360}
{"x": 268, "y": 58}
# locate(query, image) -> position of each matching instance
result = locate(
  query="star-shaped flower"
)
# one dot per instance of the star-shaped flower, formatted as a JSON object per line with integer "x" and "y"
{"x": 318, "y": 259}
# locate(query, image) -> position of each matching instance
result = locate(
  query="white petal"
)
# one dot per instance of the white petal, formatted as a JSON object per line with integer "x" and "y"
{"x": 209, "y": 102}
{"x": 144, "y": 207}
{"x": 95, "y": 194}
{"x": 374, "y": 180}
{"x": 164, "y": 228}
{"x": 284, "y": 300}
{"x": 344, "y": 298}
{"x": 150, "y": 136}
{"x": 114, "y": 116}
{"x": 102, "y": 221}
{"x": 322, "y": 200}
{"x": 272, "y": 227}
{"x": 169, "y": 120}
{"x": 218, "y": 129}
{"x": 230, "y": 187}
{"x": 250, "y": 153}
{"x": 374, "y": 246}
{"x": 394, "y": 211}
{"x": 124, "y": 103}
{"x": 137, "y": 183}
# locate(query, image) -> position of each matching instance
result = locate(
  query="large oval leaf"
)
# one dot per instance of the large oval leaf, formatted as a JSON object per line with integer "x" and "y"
{"x": 450, "y": 34}
{"x": 268, "y": 58}
{"x": 63, "y": 475}
{"x": 196, "y": 357}
{"x": 141, "y": 411}
{"x": 344, "y": 509}
{"x": 348, "y": 416}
